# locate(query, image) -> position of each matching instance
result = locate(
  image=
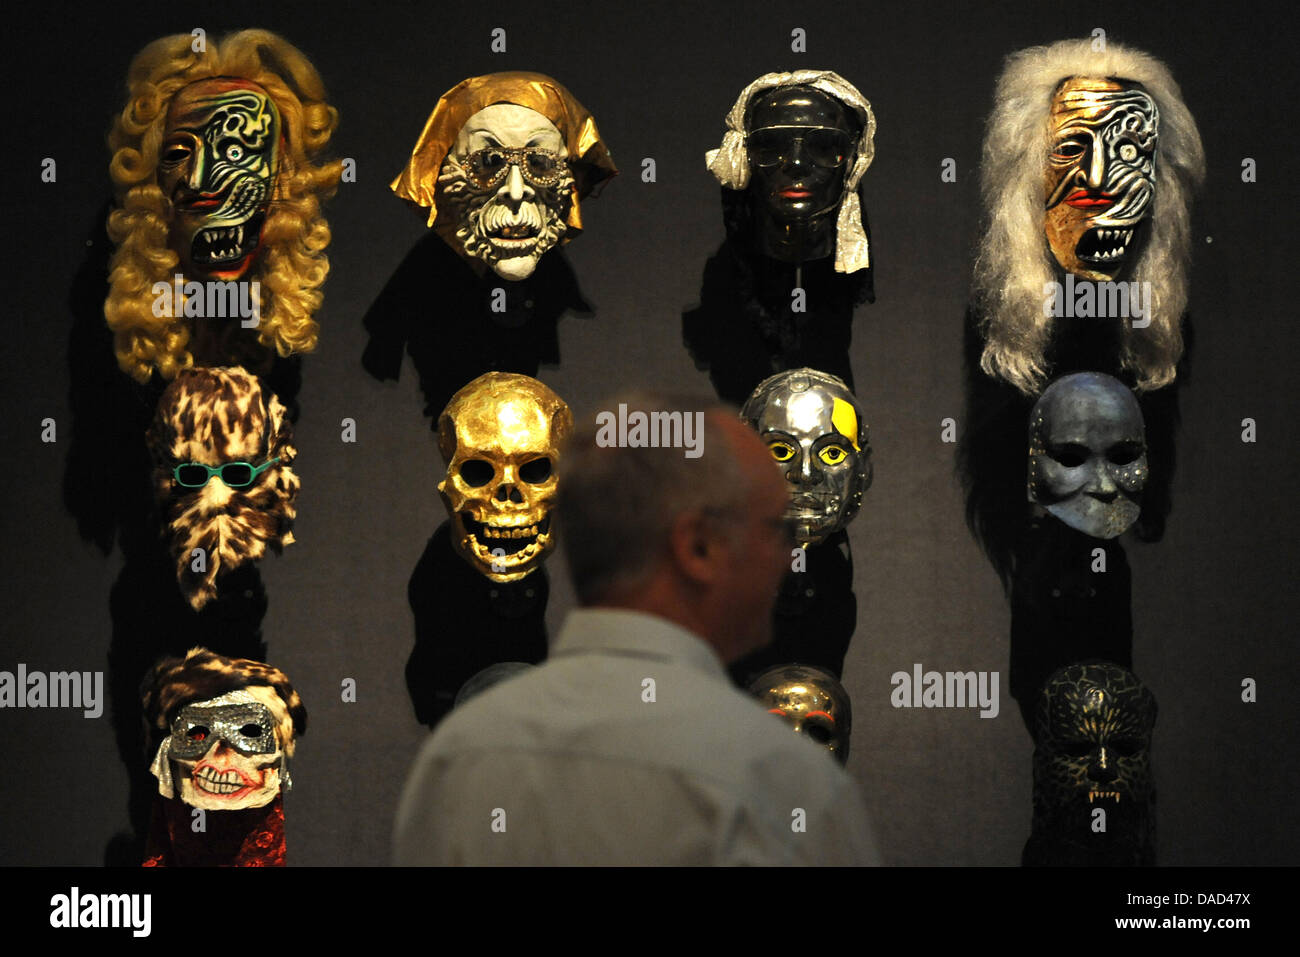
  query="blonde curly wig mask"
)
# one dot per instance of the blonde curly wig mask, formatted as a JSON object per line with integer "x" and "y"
{"x": 290, "y": 265}
{"x": 1014, "y": 261}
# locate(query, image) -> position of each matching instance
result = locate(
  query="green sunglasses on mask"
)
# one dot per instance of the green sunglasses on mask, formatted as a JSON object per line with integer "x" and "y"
{"x": 234, "y": 474}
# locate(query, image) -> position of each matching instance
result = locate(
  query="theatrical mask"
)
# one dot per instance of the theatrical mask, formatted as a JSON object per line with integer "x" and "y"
{"x": 230, "y": 725}
{"x": 814, "y": 428}
{"x": 222, "y": 450}
{"x": 1101, "y": 180}
{"x": 1092, "y": 749}
{"x": 217, "y": 166}
{"x": 1080, "y": 143}
{"x": 223, "y": 753}
{"x": 218, "y": 175}
{"x": 1087, "y": 454}
{"x": 811, "y": 701}
{"x": 502, "y": 165}
{"x": 500, "y": 437}
{"x": 799, "y": 144}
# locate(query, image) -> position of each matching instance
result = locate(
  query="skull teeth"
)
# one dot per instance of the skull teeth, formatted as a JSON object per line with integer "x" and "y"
{"x": 527, "y": 532}
{"x": 218, "y": 782}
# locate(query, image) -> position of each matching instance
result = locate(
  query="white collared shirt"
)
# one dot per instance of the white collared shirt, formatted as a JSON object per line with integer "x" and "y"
{"x": 628, "y": 746}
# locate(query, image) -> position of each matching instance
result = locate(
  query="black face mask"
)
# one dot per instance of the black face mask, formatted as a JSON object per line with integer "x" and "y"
{"x": 801, "y": 145}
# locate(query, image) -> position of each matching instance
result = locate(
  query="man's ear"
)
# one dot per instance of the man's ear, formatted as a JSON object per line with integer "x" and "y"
{"x": 696, "y": 547}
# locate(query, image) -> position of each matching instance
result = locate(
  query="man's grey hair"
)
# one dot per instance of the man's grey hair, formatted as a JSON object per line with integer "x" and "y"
{"x": 616, "y": 505}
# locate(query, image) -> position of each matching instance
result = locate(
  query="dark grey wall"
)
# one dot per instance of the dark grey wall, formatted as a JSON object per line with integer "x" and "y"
{"x": 1213, "y": 602}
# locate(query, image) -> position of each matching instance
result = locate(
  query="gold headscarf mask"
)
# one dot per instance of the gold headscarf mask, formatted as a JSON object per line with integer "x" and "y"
{"x": 589, "y": 157}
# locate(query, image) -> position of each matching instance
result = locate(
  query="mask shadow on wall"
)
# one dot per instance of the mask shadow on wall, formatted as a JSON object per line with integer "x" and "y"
{"x": 746, "y": 326}
{"x": 440, "y": 312}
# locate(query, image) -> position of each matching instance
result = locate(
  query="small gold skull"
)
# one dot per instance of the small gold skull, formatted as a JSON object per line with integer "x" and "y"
{"x": 811, "y": 701}
{"x": 501, "y": 436}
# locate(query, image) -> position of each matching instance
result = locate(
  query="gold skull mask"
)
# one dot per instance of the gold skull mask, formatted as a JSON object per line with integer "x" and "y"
{"x": 501, "y": 436}
{"x": 811, "y": 701}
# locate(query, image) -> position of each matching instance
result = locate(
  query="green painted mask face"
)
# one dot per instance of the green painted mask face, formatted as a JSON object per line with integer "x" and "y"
{"x": 217, "y": 167}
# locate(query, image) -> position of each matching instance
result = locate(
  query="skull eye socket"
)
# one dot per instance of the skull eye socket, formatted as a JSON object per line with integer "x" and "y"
{"x": 1071, "y": 456}
{"x": 197, "y": 733}
{"x": 536, "y": 471}
{"x": 818, "y": 732}
{"x": 477, "y": 472}
{"x": 1124, "y": 453}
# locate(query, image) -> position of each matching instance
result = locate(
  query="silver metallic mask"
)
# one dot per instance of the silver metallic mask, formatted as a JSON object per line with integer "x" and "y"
{"x": 1088, "y": 454}
{"x": 818, "y": 437}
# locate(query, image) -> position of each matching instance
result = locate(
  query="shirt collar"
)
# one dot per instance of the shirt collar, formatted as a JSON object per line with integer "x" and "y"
{"x": 621, "y": 631}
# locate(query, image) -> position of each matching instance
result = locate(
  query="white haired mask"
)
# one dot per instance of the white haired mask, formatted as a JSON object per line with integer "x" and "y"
{"x": 731, "y": 162}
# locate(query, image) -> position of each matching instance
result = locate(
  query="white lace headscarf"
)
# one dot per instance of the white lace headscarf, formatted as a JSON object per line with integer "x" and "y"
{"x": 730, "y": 162}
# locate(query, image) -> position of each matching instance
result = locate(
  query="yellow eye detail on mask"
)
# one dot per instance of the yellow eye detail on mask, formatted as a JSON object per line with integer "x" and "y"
{"x": 833, "y": 455}
{"x": 781, "y": 452}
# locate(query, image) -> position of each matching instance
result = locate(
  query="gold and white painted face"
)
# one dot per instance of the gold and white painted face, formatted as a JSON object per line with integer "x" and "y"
{"x": 1100, "y": 182}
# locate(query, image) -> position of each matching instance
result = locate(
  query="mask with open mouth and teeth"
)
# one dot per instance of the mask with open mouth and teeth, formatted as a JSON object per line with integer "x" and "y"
{"x": 217, "y": 166}
{"x": 1101, "y": 180}
{"x": 500, "y": 436}
{"x": 501, "y": 167}
{"x": 814, "y": 428}
{"x": 1088, "y": 454}
{"x": 1089, "y": 165}
{"x": 224, "y": 753}
{"x": 231, "y": 726}
{"x": 812, "y": 701}
{"x": 1092, "y": 748}
{"x": 219, "y": 172}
